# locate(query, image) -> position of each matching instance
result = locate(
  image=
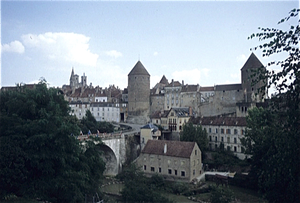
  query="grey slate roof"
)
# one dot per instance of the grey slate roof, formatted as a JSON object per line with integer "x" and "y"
{"x": 189, "y": 88}
{"x": 139, "y": 69}
{"x": 252, "y": 62}
{"x": 174, "y": 148}
{"x": 228, "y": 87}
{"x": 164, "y": 80}
{"x": 181, "y": 112}
{"x": 223, "y": 121}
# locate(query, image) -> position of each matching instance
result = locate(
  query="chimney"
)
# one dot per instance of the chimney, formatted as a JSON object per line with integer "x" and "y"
{"x": 165, "y": 148}
{"x": 182, "y": 82}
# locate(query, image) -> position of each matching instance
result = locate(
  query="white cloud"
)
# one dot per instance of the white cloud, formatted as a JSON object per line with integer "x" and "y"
{"x": 155, "y": 53}
{"x": 69, "y": 47}
{"x": 14, "y": 46}
{"x": 190, "y": 76}
{"x": 114, "y": 53}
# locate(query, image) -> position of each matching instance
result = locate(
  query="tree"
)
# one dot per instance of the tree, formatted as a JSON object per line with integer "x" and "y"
{"x": 89, "y": 123}
{"x": 196, "y": 134}
{"x": 39, "y": 156}
{"x": 138, "y": 188}
{"x": 221, "y": 195}
{"x": 273, "y": 134}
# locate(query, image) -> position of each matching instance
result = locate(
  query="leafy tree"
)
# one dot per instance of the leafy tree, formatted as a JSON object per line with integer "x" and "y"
{"x": 136, "y": 188}
{"x": 221, "y": 195}
{"x": 89, "y": 123}
{"x": 196, "y": 134}
{"x": 39, "y": 157}
{"x": 273, "y": 135}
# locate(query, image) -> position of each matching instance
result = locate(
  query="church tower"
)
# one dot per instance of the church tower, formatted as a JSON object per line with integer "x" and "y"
{"x": 138, "y": 94}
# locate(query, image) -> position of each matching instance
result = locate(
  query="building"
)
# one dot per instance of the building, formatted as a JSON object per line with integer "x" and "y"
{"x": 174, "y": 160}
{"x": 149, "y": 132}
{"x": 138, "y": 94}
{"x": 226, "y": 132}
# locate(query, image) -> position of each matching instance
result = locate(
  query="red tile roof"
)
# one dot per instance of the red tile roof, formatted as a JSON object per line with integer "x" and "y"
{"x": 174, "y": 148}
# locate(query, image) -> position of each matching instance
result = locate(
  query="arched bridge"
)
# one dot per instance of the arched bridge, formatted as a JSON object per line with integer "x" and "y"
{"x": 114, "y": 150}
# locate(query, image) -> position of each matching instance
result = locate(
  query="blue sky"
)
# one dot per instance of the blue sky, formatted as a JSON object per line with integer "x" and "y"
{"x": 200, "y": 42}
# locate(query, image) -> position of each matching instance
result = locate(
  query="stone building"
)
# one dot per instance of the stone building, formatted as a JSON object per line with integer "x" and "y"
{"x": 227, "y": 99}
{"x": 149, "y": 132}
{"x": 157, "y": 96}
{"x": 174, "y": 160}
{"x": 138, "y": 94}
{"x": 225, "y": 132}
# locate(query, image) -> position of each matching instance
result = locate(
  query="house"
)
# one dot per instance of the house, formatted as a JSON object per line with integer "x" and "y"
{"x": 227, "y": 131}
{"x": 149, "y": 132}
{"x": 174, "y": 160}
{"x": 177, "y": 117}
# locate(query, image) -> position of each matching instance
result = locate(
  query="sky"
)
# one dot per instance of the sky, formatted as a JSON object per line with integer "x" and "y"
{"x": 198, "y": 42}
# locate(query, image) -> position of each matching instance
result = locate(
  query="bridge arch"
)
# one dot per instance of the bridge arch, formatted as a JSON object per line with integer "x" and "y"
{"x": 110, "y": 159}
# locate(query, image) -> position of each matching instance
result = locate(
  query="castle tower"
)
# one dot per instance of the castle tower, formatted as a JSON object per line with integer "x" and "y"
{"x": 138, "y": 94}
{"x": 251, "y": 93}
{"x": 83, "y": 80}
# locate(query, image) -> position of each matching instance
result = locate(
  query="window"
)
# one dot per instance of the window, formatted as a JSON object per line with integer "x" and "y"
{"x": 222, "y": 139}
{"x": 243, "y": 132}
{"x": 145, "y": 167}
{"x": 228, "y": 131}
{"x": 222, "y": 131}
{"x": 159, "y": 169}
{"x": 195, "y": 151}
{"x": 234, "y": 140}
{"x": 209, "y": 138}
{"x": 194, "y": 172}
{"x": 216, "y": 130}
{"x": 170, "y": 171}
{"x": 228, "y": 148}
{"x": 235, "y": 148}
{"x": 182, "y": 173}
{"x": 175, "y": 171}
{"x": 216, "y": 139}
{"x": 235, "y": 131}
{"x": 152, "y": 169}
{"x": 209, "y": 130}
{"x": 228, "y": 139}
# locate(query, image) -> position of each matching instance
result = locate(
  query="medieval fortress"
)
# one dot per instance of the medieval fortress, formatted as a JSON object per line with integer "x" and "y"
{"x": 220, "y": 109}
{"x": 139, "y": 104}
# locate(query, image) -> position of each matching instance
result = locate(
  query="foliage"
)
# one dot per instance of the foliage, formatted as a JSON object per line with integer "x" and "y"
{"x": 273, "y": 135}
{"x": 221, "y": 195}
{"x": 224, "y": 160}
{"x": 195, "y": 134}
{"x": 179, "y": 188}
{"x": 138, "y": 188}
{"x": 89, "y": 123}
{"x": 39, "y": 157}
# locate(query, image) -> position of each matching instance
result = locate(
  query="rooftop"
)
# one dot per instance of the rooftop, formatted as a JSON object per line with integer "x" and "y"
{"x": 174, "y": 148}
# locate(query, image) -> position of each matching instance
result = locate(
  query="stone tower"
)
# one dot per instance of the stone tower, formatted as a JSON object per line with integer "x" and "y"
{"x": 250, "y": 91}
{"x": 74, "y": 79}
{"x": 138, "y": 94}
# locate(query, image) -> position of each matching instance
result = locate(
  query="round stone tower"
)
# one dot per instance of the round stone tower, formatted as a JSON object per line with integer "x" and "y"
{"x": 138, "y": 94}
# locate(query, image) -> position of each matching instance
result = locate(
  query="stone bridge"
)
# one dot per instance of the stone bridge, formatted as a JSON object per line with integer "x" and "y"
{"x": 114, "y": 148}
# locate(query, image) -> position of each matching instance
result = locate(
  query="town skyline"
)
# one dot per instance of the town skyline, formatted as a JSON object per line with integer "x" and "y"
{"x": 201, "y": 43}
